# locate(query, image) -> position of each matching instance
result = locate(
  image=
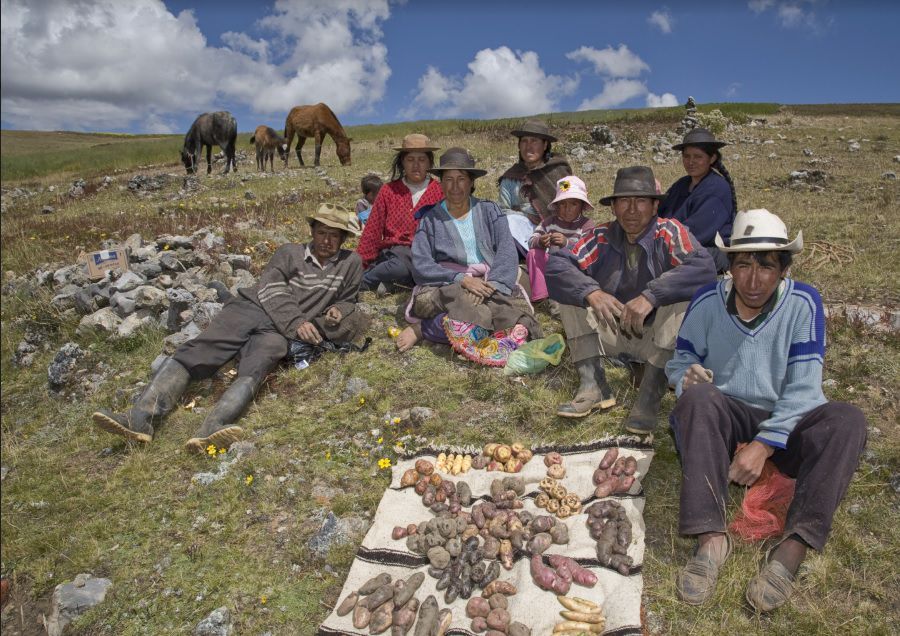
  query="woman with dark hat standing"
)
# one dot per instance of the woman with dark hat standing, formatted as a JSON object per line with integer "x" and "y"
{"x": 704, "y": 200}
{"x": 528, "y": 187}
{"x": 388, "y": 234}
{"x": 465, "y": 267}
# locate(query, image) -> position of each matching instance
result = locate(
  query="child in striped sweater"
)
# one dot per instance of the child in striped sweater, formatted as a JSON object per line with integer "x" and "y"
{"x": 563, "y": 228}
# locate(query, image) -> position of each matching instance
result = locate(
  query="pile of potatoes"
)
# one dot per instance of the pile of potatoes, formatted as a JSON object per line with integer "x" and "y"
{"x": 381, "y": 604}
{"x": 453, "y": 464}
{"x": 559, "y": 576}
{"x": 556, "y": 499}
{"x": 611, "y": 529}
{"x": 614, "y": 474}
{"x": 489, "y": 613}
{"x": 580, "y": 617}
{"x": 508, "y": 458}
{"x": 438, "y": 494}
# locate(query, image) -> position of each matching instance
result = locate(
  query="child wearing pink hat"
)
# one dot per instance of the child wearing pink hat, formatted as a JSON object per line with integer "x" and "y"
{"x": 563, "y": 228}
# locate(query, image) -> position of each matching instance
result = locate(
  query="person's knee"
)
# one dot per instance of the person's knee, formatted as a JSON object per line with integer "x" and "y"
{"x": 696, "y": 395}
{"x": 847, "y": 422}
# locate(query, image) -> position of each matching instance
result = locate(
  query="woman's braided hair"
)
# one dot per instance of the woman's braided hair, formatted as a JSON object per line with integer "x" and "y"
{"x": 719, "y": 167}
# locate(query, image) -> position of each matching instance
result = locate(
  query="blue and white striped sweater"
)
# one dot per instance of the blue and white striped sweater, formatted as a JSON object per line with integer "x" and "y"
{"x": 776, "y": 366}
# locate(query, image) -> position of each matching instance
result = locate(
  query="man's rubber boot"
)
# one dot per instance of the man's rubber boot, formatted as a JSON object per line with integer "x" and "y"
{"x": 593, "y": 390}
{"x": 642, "y": 419}
{"x": 218, "y": 428}
{"x": 155, "y": 401}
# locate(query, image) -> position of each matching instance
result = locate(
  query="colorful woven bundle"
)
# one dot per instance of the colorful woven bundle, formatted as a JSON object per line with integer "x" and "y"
{"x": 480, "y": 345}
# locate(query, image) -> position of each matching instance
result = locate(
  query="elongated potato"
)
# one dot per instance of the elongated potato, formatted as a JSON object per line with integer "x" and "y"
{"x": 567, "y": 626}
{"x": 577, "y": 604}
{"x": 582, "y": 617}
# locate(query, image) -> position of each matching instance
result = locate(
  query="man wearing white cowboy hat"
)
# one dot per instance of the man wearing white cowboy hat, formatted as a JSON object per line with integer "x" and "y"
{"x": 623, "y": 289}
{"x": 748, "y": 369}
{"x": 306, "y": 292}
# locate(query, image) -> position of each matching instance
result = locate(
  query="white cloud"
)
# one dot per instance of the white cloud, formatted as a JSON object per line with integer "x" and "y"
{"x": 611, "y": 62}
{"x": 661, "y": 101}
{"x": 662, "y": 20}
{"x": 732, "y": 90}
{"x": 615, "y": 93}
{"x": 794, "y": 14}
{"x": 109, "y": 65}
{"x": 499, "y": 83}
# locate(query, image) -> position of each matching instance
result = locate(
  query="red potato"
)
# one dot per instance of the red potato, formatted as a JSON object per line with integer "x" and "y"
{"x": 580, "y": 575}
{"x": 619, "y": 467}
{"x": 553, "y": 458}
{"x": 630, "y": 465}
{"x": 546, "y": 578}
{"x": 624, "y": 483}
{"x": 609, "y": 458}
{"x": 601, "y": 475}
{"x": 606, "y": 488}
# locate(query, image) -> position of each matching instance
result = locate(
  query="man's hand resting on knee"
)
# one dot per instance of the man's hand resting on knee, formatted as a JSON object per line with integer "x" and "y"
{"x": 333, "y": 317}
{"x": 307, "y": 332}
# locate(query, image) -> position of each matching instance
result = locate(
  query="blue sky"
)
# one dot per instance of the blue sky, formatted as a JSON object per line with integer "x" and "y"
{"x": 153, "y": 65}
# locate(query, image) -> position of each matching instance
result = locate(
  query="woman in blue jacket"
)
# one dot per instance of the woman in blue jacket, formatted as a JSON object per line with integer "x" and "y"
{"x": 704, "y": 200}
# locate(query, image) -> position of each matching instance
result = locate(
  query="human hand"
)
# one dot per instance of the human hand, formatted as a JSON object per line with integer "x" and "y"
{"x": 333, "y": 317}
{"x": 544, "y": 240}
{"x": 558, "y": 239}
{"x": 696, "y": 374}
{"x": 477, "y": 286}
{"x": 634, "y": 313}
{"x": 606, "y": 307}
{"x": 747, "y": 465}
{"x": 307, "y": 332}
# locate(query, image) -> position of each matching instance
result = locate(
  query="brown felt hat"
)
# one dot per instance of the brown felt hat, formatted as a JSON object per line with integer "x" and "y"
{"x": 336, "y": 216}
{"x": 458, "y": 159}
{"x": 636, "y": 181}
{"x": 416, "y": 142}
{"x": 699, "y": 137}
{"x": 534, "y": 128}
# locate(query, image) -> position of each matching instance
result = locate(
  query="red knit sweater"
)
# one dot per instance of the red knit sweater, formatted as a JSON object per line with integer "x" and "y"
{"x": 391, "y": 221}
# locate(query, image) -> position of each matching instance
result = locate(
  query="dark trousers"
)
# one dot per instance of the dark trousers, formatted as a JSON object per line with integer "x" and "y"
{"x": 822, "y": 452}
{"x": 242, "y": 328}
{"x": 393, "y": 266}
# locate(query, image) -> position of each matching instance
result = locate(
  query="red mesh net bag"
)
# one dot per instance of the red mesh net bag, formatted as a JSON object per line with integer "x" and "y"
{"x": 765, "y": 505}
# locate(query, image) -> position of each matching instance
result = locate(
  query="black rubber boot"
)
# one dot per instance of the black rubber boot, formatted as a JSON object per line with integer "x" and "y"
{"x": 218, "y": 428}
{"x": 155, "y": 402}
{"x": 642, "y": 419}
{"x": 593, "y": 390}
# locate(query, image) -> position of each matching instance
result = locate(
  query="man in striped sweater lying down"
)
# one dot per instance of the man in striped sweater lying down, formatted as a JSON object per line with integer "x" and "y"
{"x": 307, "y": 292}
{"x": 748, "y": 369}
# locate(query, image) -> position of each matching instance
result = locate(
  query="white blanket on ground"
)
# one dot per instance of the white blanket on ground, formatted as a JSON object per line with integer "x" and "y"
{"x": 531, "y": 606}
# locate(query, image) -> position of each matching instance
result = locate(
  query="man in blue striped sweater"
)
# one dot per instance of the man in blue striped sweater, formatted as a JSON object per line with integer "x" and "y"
{"x": 747, "y": 370}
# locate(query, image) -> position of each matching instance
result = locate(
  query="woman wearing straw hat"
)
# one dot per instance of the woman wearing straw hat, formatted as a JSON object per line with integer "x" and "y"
{"x": 465, "y": 267}
{"x": 704, "y": 200}
{"x": 388, "y": 234}
{"x": 527, "y": 188}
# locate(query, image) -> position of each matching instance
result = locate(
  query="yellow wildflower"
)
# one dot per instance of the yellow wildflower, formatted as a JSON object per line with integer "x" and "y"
{"x": 384, "y": 462}
{"x": 248, "y": 479}
{"x": 211, "y": 449}
{"x": 222, "y": 451}
{"x": 396, "y": 420}
{"x": 327, "y": 454}
{"x": 379, "y": 440}
{"x": 263, "y": 599}
{"x": 362, "y": 400}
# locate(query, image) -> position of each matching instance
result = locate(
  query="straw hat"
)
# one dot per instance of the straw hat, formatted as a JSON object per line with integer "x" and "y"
{"x": 636, "y": 181}
{"x": 416, "y": 142}
{"x": 760, "y": 231}
{"x": 534, "y": 128}
{"x": 458, "y": 159}
{"x": 336, "y": 216}
{"x": 571, "y": 188}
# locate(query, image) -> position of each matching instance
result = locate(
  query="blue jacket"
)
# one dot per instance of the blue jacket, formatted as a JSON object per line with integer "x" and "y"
{"x": 677, "y": 265}
{"x": 437, "y": 240}
{"x": 705, "y": 210}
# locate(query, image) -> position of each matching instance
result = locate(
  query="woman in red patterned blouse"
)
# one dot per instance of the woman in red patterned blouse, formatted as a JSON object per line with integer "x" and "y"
{"x": 387, "y": 237}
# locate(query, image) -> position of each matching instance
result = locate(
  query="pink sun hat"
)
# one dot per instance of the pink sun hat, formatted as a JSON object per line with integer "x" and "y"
{"x": 571, "y": 187}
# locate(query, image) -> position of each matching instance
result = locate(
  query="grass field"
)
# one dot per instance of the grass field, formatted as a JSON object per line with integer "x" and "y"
{"x": 78, "y": 500}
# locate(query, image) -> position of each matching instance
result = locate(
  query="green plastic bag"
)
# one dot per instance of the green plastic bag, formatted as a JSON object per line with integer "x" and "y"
{"x": 534, "y": 356}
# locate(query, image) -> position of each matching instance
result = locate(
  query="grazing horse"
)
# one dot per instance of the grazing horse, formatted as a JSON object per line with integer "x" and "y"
{"x": 267, "y": 142}
{"x": 210, "y": 129}
{"x": 316, "y": 121}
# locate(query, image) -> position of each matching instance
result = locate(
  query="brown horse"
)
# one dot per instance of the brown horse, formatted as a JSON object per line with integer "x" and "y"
{"x": 315, "y": 121}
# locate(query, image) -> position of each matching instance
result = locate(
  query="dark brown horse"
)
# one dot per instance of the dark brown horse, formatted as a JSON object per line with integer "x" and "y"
{"x": 267, "y": 141}
{"x": 316, "y": 121}
{"x": 210, "y": 129}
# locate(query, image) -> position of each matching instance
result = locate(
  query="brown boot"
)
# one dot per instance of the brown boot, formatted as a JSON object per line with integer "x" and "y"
{"x": 593, "y": 391}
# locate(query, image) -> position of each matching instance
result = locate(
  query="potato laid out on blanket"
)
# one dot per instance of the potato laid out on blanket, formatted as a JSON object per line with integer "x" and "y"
{"x": 581, "y": 617}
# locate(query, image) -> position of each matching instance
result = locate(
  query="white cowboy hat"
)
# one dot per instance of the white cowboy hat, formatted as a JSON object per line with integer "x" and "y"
{"x": 760, "y": 231}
